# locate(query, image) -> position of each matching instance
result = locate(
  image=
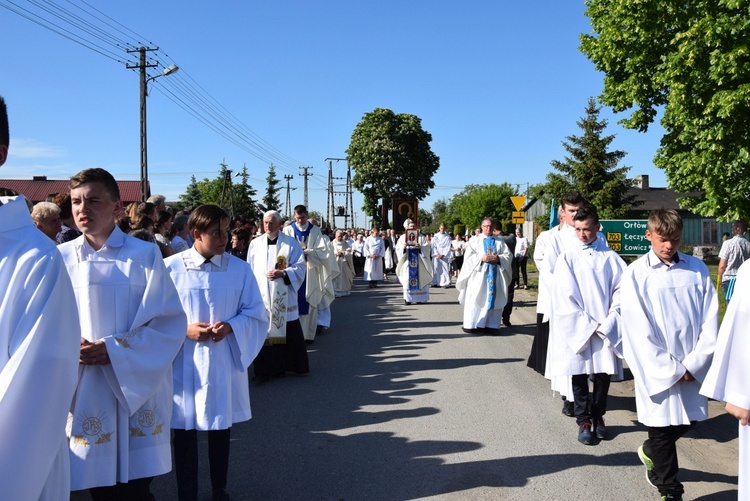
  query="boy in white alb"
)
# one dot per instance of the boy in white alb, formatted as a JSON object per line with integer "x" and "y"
{"x": 227, "y": 325}
{"x": 39, "y": 342}
{"x": 586, "y": 310}
{"x": 670, "y": 311}
{"x": 132, "y": 326}
{"x": 727, "y": 379}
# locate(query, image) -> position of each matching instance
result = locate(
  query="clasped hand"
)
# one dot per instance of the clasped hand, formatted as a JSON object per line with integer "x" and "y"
{"x": 202, "y": 331}
{"x": 490, "y": 258}
{"x": 93, "y": 353}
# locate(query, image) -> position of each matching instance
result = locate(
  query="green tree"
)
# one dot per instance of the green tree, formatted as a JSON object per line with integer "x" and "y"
{"x": 691, "y": 61}
{"x": 442, "y": 212}
{"x": 192, "y": 196}
{"x": 591, "y": 169}
{"x": 217, "y": 191}
{"x": 478, "y": 201}
{"x": 318, "y": 217}
{"x": 391, "y": 157}
{"x": 271, "y": 198}
{"x": 245, "y": 202}
{"x": 425, "y": 220}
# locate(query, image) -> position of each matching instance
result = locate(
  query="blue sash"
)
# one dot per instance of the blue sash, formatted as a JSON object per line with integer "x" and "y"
{"x": 413, "y": 255}
{"x": 489, "y": 247}
{"x": 302, "y": 237}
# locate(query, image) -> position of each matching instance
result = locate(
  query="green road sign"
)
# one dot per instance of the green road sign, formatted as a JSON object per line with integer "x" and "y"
{"x": 627, "y": 237}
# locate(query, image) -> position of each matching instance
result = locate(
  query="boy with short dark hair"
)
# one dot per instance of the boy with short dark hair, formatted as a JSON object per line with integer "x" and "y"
{"x": 131, "y": 327}
{"x": 670, "y": 321}
{"x": 227, "y": 325}
{"x": 586, "y": 310}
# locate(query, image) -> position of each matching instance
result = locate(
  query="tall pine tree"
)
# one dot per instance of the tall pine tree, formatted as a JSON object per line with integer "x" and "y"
{"x": 245, "y": 202}
{"x": 591, "y": 169}
{"x": 218, "y": 190}
{"x": 271, "y": 198}
{"x": 192, "y": 196}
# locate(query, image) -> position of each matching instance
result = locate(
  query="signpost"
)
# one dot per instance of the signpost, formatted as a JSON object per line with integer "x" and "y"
{"x": 519, "y": 216}
{"x": 627, "y": 237}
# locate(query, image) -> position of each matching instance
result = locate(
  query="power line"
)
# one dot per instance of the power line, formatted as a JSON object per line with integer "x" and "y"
{"x": 93, "y": 29}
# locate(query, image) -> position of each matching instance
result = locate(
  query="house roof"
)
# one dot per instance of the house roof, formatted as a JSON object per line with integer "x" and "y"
{"x": 657, "y": 198}
{"x": 36, "y": 189}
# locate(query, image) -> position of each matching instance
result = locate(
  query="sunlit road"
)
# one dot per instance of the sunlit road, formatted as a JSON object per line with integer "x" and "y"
{"x": 401, "y": 404}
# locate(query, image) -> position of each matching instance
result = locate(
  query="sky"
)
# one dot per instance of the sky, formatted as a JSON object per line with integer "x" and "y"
{"x": 499, "y": 85}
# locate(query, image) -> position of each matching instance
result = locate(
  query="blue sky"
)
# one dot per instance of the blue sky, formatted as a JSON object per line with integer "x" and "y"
{"x": 498, "y": 84}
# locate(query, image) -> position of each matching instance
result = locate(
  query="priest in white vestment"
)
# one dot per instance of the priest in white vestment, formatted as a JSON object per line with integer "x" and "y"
{"x": 727, "y": 379}
{"x": 670, "y": 314}
{"x": 342, "y": 251}
{"x": 132, "y": 326}
{"x": 324, "y": 308}
{"x": 317, "y": 288}
{"x": 374, "y": 252}
{"x": 441, "y": 258}
{"x": 414, "y": 269}
{"x": 278, "y": 263}
{"x": 586, "y": 311}
{"x": 40, "y": 339}
{"x": 227, "y": 324}
{"x": 483, "y": 282}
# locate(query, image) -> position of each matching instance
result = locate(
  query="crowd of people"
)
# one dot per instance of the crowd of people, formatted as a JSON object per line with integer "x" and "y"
{"x": 161, "y": 329}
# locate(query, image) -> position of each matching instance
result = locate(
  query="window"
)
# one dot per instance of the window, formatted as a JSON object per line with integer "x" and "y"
{"x": 710, "y": 232}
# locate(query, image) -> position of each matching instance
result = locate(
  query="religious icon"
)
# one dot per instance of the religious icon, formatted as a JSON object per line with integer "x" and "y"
{"x": 280, "y": 262}
{"x": 412, "y": 238}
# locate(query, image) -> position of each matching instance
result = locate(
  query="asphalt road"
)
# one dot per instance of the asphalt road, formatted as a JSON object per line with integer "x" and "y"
{"x": 400, "y": 404}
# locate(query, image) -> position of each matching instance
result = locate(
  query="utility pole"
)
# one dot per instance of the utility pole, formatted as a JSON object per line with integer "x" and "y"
{"x": 332, "y": 192}
{"x": 305, "y": 174}
{"x": 142, "y": 66}
{"x": 288, "y": 205}
{"x": 349, "y": 199}
{"x": 226, "y": 188}
{"x": 331, "y": 213}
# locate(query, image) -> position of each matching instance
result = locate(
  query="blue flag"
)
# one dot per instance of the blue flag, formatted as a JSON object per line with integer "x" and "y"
{"x": 553, "y": 221}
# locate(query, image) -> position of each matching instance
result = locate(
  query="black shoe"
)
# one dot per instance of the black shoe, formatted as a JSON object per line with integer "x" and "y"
{"x": 407, "y": 302}
{"x": 584, "y": 433}
{"x": 470, "y": 331}
{"x": 567, "y": 408}
{"x": 672, "y": 496}
{"x": 599, "y": 429}
{"x": 506, "y": 322}
{"x": 220, "y": 495}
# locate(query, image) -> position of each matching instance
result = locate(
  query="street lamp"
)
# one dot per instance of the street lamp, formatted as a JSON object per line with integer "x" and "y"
{"x": 145, "y": 191}
{"x": 145, "y": 79}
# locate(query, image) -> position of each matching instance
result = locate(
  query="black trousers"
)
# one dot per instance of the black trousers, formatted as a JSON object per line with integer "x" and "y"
{"x": 661, "y": 448}
{"x": 521, "y": 267}
{"x": 135, "y": 490}
{"x": 589, "y": 406}
{"x": 538, "y": 355}
{"x": 185, "y": 444}
{"x": 508, "y": 308}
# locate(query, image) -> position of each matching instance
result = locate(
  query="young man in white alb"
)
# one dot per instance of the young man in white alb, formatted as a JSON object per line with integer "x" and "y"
{"x": 132, "y": 326}
{"x": 670, "y": 315}
{"x": 586, "y": 310}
